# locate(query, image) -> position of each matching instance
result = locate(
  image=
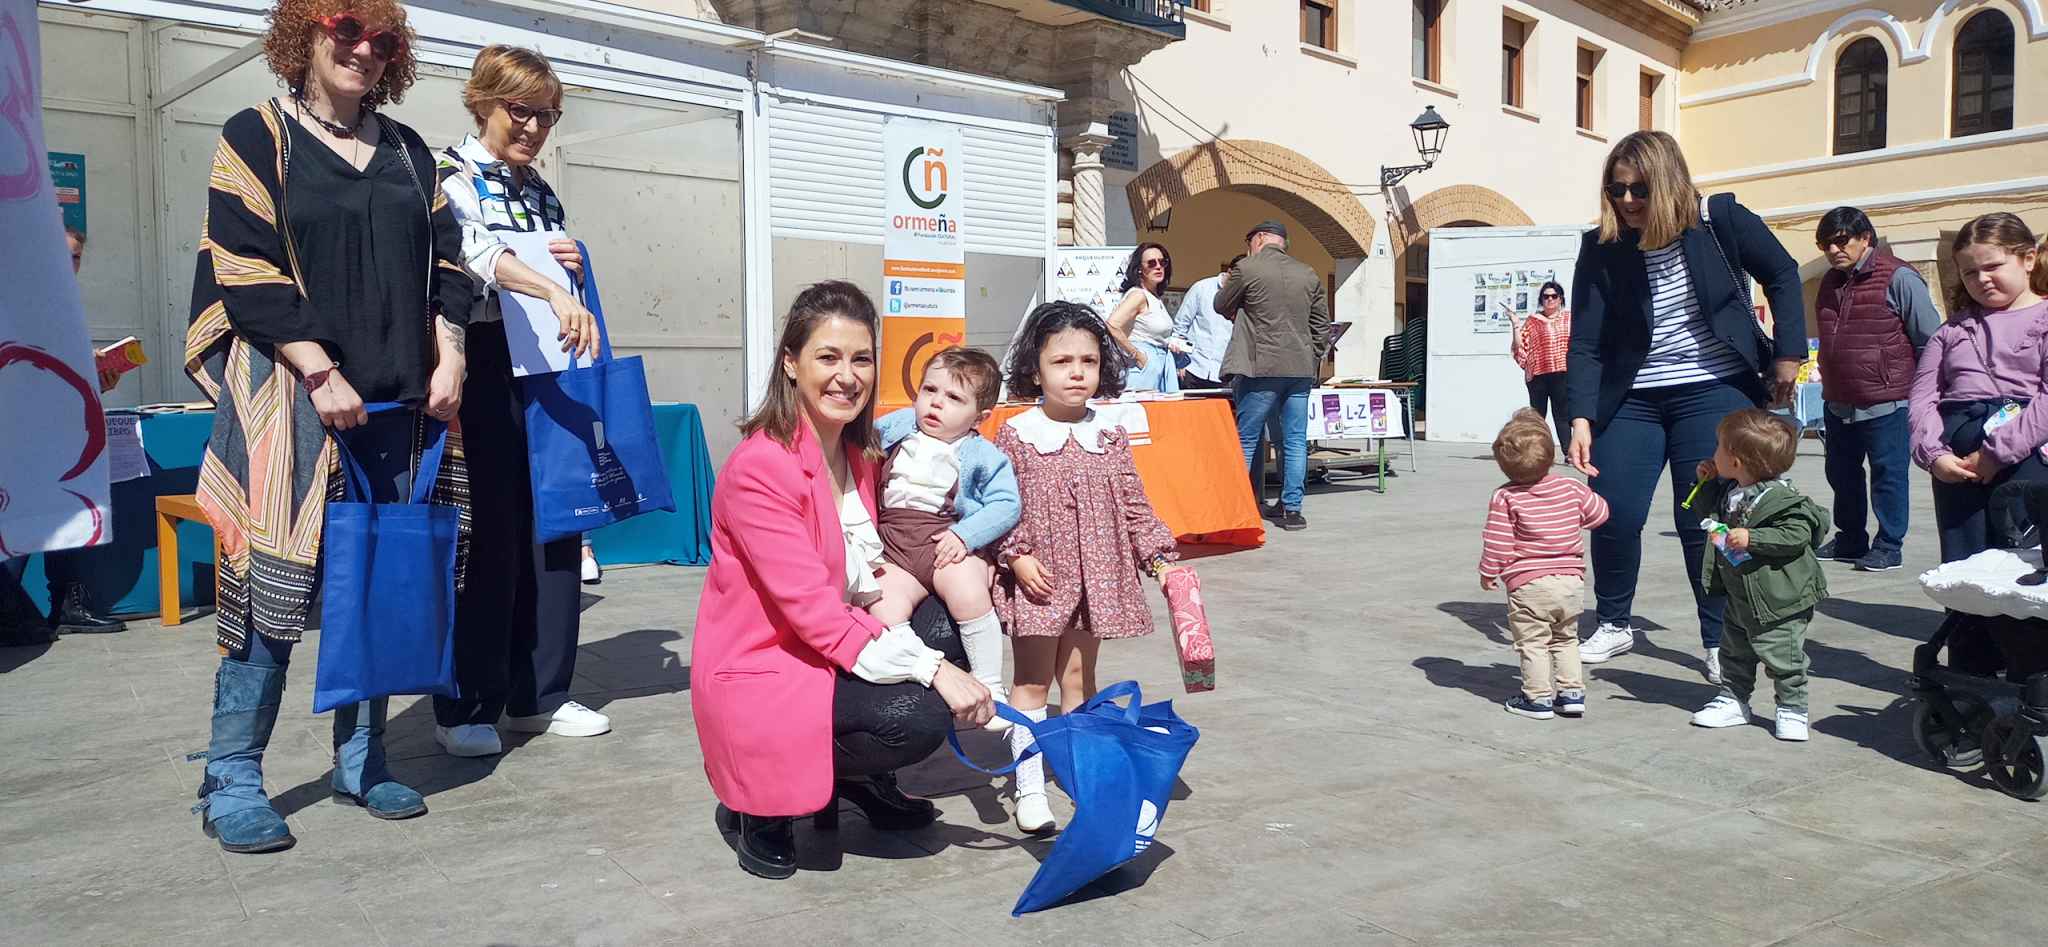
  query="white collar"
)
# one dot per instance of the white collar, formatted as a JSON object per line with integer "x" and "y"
{"x": 472, "y": 150}
{"x": 1048, "y": 436}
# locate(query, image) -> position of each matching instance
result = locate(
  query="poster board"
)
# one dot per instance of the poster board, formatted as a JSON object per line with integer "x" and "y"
{"x": 924, "y": 252}
{"x": 1474, "y": 383}
{"x": 1354, "y": 413}
{"x": 1091, "y": 276}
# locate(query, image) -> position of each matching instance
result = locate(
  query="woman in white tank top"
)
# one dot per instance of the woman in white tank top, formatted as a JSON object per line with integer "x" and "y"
{"x": 1141, "y": 325}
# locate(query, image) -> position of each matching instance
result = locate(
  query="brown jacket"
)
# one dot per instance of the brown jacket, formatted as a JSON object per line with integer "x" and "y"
{"x": 1282, "y": 317}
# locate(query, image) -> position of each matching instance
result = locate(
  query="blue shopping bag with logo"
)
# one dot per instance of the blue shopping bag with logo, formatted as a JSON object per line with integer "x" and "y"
{"x": 1119, "y": 764}
{"x": 591, "y": 450}
{"x": 387, "y": 615}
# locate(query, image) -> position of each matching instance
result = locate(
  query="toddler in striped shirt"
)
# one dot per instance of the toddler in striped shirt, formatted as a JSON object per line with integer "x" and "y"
{"x": 1534, "y": 546}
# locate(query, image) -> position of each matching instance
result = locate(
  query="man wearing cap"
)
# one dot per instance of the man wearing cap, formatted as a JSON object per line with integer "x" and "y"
{"x": 1281, "y": 331}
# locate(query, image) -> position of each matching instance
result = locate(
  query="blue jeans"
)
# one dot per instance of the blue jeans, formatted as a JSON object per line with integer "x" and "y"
{"x": 1884, "y": 442}
{"x": 1277, "y": 407}
{"x": 1159, "y": 373}
{"x": 1655, "y": 429}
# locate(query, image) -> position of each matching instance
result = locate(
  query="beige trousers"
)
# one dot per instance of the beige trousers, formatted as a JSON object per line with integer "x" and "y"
{"x": 1543, "y": 619}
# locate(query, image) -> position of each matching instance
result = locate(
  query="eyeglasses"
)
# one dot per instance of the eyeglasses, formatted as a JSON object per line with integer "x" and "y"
{"x": 1838, "y": 240}
{"x": 1639, "y": 189}
{"x": 522, "y": 113}
{"x": 347, "y": 30}
{"x": 1549, "y": 296}
{"x": 1149, "y": 264}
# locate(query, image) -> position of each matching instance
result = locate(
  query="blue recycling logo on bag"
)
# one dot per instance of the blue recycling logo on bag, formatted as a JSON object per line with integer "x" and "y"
{"x": 1120, "y": 765}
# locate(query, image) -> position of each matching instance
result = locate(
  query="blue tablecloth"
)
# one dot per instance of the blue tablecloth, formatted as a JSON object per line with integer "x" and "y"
{"x": 123, "y": 573}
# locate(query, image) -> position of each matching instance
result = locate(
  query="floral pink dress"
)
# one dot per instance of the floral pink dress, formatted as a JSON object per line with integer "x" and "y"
{"x": 1087, "y": 521}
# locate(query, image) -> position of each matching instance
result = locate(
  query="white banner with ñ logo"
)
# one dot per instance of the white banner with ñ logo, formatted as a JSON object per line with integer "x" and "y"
{"x": 924, "y": 255}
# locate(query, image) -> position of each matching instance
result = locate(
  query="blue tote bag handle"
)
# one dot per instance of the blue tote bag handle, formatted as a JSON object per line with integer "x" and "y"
{"x": 1105, "y": 698}
{"x": 1014, "y": 716}
{"x": 356, "y": 481}
{"x": 587, "y": 294}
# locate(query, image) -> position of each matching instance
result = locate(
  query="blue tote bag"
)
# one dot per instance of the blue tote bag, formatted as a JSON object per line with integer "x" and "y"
{"x": 1119, "y": 764}
{"x": 387, "y": 616}
{"x": 590, "y": 439}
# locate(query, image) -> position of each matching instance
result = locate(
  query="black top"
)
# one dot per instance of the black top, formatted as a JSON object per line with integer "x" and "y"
{"x": 1611, "y": 312}
{"x": 363, "y": 244}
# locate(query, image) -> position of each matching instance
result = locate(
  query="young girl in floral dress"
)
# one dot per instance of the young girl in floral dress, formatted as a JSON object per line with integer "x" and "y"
{"x": 1070, "y": 570}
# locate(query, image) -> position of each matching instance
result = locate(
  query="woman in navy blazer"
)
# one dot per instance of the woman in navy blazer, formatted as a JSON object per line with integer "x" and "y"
{"x": 1664, "y": 345}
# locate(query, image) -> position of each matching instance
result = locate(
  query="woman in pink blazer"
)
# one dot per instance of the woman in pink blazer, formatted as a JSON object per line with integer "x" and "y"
{"x": 801, "y": 698}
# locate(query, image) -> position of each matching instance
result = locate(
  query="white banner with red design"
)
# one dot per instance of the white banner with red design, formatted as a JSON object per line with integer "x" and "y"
{"x": 53, "y": 434}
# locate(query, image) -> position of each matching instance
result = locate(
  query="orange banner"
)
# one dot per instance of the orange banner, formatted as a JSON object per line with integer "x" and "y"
{"x": 908, "y": 344}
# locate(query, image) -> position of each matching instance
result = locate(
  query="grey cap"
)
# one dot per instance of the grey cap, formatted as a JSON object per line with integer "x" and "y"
{"x": 1273, "y": 227}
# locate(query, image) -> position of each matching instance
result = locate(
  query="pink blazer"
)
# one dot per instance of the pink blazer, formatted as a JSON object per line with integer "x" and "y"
{"x": 772, "y": 626}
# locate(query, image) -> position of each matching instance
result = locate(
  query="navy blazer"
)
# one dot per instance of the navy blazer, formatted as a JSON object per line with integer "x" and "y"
{"x": 1610, "y": 307}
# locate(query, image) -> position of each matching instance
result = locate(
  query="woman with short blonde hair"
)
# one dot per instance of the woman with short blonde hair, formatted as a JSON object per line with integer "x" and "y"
{"x": 515, "y": 635}
{"x": 1664, "y": 344}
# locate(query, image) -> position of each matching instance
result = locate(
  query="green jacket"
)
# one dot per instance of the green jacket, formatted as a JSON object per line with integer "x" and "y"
{"x": 1782, "y": 576}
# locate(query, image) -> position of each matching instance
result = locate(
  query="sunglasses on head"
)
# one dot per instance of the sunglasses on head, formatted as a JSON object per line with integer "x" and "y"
{"x": 347, "y": 30}
{"x": 1639, "y": 189}
{"x": 521, "y": 113}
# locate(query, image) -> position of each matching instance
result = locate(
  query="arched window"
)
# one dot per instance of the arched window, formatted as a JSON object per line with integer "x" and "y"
{"x": 1983, "y": 76}
{"x": 1860, "y": 97}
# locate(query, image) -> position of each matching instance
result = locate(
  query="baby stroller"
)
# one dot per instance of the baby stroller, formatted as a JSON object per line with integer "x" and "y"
{"x": 1989, "y": 705}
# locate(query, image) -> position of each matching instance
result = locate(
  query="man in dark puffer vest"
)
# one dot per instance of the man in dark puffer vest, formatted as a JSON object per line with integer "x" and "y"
{"x": 1875, "y": 315}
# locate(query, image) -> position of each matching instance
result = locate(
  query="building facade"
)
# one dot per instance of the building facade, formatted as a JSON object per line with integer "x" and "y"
{"x": 1916, "y": 111}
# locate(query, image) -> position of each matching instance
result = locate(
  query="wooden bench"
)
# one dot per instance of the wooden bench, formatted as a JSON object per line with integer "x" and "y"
{"x": 170, "y": 511}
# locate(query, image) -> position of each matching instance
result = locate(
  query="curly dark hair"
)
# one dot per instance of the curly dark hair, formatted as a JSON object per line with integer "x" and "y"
{"x": 1053, "y": 318}
{"x": 294, "y": 24}
{"x": 1134, "y": 268}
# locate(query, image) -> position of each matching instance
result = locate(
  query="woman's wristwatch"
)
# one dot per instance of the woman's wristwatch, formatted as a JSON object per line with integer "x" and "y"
{"x": 1157, "y": 565}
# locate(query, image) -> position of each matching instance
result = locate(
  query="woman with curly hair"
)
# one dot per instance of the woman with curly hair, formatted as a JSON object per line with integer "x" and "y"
{"x": 329, "y": 280}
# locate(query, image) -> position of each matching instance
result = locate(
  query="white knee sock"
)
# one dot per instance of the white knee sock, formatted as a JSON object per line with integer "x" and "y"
{"x": 982, "y": 639}
{"x": 1031, "y": 774}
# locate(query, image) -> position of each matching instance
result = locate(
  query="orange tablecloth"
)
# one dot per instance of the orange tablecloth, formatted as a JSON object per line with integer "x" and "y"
{"x": 1193, "y": 470}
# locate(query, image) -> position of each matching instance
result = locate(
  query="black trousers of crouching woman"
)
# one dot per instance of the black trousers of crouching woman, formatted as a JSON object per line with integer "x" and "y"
{"x": 881, "y": 728}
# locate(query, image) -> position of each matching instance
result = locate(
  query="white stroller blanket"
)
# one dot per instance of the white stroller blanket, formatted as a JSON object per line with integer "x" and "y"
{"x": 1990, "y": 583}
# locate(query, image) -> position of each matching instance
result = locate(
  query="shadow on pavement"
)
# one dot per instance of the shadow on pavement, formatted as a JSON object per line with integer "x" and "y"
{"x": 1493, "y": 683}
{"x": 1487, "y": 618}
{"x": 1644, "y": 688}
{"x": 14, "y": 656}
{"x": 1904, "y": 621}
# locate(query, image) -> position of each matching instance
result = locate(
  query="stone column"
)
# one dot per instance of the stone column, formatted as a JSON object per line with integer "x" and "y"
{"x": 1091, "y": 229}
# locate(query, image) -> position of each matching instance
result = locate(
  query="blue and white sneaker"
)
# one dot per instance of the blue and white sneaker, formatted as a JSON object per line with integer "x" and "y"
{"x": 1570, "y": 703}
{"x": 1521, "y": 706}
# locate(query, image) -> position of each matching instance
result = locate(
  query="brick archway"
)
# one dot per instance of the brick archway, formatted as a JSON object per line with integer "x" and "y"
{"x": 1280, "y": 176}
{"x": 1454, "y": 204}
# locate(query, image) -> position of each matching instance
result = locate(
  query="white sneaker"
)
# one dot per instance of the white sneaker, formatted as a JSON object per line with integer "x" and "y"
{"x": 1714, "y": 665}
{"x": 1791, "y": 726}
{"x": 1606, "y": 642}
{"x": 592, "y": 572}
{"x": 470, "y": 740}
{"x": 1034, "y": 815}
{"x": 1723, "y": 711}
{"x": 1002, "y": 696}
{"x": 569, "y": 720}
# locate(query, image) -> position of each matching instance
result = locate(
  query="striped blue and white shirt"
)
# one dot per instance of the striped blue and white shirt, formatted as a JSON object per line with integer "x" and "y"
{"x": 1683, "y": 348}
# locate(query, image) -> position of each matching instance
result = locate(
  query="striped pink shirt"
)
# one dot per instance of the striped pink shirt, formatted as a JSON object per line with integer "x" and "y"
{"x": 1535, "y": 530}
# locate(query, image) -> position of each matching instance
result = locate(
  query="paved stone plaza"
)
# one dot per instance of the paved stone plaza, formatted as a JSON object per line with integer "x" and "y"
{"x": 1356, "y": 782}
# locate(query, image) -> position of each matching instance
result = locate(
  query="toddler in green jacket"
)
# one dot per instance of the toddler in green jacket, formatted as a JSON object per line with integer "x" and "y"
{"x": 1764, "y": 532}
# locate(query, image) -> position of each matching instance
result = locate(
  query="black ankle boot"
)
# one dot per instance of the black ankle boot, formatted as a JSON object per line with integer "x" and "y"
{"x": 885, "y": 805}
{"x": 766, "y": 846}
{"x": 73, "y": 613}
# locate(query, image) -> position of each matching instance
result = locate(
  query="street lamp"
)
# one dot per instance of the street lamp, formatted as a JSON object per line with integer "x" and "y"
{"x": 1430, "y": 129}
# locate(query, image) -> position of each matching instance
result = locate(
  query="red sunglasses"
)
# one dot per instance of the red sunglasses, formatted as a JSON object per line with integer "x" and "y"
{"x": 347, "y": 31}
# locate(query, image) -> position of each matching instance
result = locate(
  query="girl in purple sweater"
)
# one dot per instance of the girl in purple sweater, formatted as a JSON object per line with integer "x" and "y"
{"x": 1974, "y": 424}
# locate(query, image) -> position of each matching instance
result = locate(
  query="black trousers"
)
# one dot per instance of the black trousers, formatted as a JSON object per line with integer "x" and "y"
{"x": 516, "y": 619}
{"x": 881, "y": 728}
{"x": 1548, "y": 390}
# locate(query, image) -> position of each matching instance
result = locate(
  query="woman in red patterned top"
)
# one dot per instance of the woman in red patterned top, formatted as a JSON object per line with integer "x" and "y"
{"x": 1540, "y": 341}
